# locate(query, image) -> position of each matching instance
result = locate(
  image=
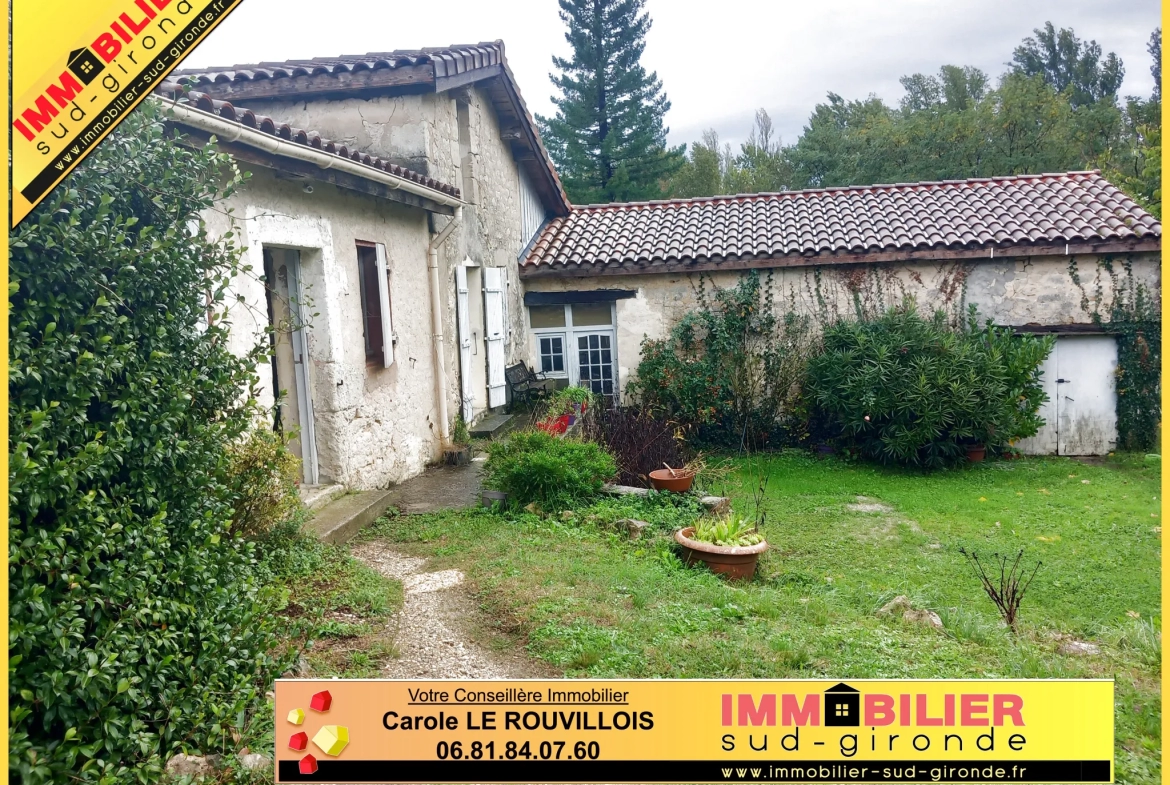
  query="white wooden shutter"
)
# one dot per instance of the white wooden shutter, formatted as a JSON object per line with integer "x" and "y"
{"x": 462, "y": 304}
{"x": 384, "y": 303}
{"x": 493, "y": 298}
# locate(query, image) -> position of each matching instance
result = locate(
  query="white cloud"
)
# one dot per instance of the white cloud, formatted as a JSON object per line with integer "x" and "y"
{"x": 718, "y": 61}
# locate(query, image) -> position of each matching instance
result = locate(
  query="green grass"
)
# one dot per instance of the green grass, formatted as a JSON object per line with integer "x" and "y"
{"x": 582, "y": 597}
{"x": 336, "y": 609}
{"x": 334, "y": 612}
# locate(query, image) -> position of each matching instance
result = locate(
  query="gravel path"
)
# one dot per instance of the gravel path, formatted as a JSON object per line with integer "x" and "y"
{"x": 432, "y": 627}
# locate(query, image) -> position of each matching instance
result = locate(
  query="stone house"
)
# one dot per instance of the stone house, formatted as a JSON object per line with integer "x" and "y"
{"x": 1039, "y": 253}
{"x": 423, "y": 188}
{"x": 389, "y": 200}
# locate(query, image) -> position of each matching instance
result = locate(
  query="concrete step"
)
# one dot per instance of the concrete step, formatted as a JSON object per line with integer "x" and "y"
{"x": 494, "y": 426}
{"x": 315, "y": 497}
{"x": 342, "y": 518}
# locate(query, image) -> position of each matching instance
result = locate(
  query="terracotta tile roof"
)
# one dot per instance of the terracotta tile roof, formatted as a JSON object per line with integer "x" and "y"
{"x": 447, "y": 60}
{"x": 448, "y": 66}
{"x": 862, "y": 223}
{"x": 265, "y": 124}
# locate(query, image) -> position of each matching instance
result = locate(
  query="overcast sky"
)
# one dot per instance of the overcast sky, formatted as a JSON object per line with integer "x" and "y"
{"x": 719, "y": 61}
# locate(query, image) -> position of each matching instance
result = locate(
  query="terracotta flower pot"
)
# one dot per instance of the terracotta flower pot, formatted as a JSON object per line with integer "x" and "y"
{"x": 736, "y": 563}
{"x": 976, "y": 453}
{"x": 489, "y": 498}
{"x": 665, "y": 480}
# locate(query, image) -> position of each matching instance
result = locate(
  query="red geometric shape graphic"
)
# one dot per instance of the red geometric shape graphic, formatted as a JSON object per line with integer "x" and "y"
{"x": 298, "y": 741}
{"x": 308, "y": 765}
{"x": 321, "y": 701}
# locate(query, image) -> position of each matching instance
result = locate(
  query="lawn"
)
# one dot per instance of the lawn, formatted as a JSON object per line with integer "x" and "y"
{"x": 580, "y": 596}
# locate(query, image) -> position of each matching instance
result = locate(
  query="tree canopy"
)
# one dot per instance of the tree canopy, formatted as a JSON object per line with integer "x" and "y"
{"x": 607, "y": 137}
{"x": 1056, "y": 108}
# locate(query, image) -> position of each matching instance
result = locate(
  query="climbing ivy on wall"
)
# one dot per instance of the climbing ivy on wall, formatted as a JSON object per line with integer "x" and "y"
{"x": 1125, "y": 309}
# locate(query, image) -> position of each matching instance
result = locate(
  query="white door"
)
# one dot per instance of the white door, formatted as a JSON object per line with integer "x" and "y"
{"x": 493, "y": 302}
{"x": 595, "y": 361}
{"x": 302, "y": 369}
{"x": 1080, "y": 417}
{"x": 1086, "y": 394}
{"x": 462, "y": 304}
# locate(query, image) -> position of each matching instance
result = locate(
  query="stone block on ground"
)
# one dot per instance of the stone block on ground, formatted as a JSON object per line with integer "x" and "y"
{"x": 181, "y": 765}
{"x": 623, "y": 490}
{"x": 633, "y": 526}
{"x": 254, "y": 761}
{"x": 1074, "y": 648}
{"x": 716, "y": 505}
{"x": 901, "y": 606}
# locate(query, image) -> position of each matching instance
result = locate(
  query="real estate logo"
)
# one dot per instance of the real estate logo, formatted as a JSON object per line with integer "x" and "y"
{"x": 85, "y": 65}
{"x": 842, "y": 706}
{"x": 95, "y": 83}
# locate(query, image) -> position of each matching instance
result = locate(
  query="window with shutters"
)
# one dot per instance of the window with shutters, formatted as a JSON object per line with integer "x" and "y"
{"x": 374, "y": 286}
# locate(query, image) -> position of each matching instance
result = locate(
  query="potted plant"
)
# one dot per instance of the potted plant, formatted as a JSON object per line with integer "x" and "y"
{"x": 458, "y": 453}
{"x": 571, "y": 402}
{"x": 728, "y": 545}
{"x": 676, "y": 480}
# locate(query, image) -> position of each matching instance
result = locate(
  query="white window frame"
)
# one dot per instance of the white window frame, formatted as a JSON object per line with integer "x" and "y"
{"x": 552, "y": 332}
{"x": 569, "y": 334}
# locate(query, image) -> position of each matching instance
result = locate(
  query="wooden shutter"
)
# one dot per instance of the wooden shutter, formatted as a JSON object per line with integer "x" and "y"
{"x": 462, "y": 303}
{"x": 384, "y": 305}
{"x": 493, "y": 299}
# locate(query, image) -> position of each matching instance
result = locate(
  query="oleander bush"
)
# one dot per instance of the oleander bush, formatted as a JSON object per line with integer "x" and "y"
{"x": 534, "y": 466}
{"x": 136, "y": 623}
{"x": 905, "y": 389}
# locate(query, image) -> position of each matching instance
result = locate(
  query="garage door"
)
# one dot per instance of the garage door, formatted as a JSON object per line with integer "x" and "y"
{"x": 1081, "y": 413}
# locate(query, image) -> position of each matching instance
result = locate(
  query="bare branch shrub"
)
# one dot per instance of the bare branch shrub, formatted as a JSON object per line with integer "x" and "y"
{"x": 1007, "y": 592}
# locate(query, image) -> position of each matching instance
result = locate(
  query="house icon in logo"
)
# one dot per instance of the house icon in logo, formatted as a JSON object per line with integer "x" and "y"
{"x": 842, "y": 706}
{"x": 85, "y": 65}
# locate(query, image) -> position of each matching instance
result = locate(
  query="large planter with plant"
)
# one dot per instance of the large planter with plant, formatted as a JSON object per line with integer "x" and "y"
{"x": 677, "y": 480}
{"x": 674, "y": 480}
{"x": 727, "y": 547}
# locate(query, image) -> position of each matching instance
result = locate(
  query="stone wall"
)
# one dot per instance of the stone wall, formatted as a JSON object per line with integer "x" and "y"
{"x": 423, "y": 133}
{"x": 374, "y": 425}
{"x": 1011, "y": 291}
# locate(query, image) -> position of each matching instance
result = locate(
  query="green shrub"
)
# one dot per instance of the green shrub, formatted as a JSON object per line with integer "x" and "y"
{"x": 533, "y": 466}
{"x": 730, "y": 371}
{"x": 262, "y": 475}
{"x": 136, "y": 623}
{"x": 904, "y": 389}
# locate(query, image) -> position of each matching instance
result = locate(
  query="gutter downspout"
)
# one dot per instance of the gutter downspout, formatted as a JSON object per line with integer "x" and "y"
{"x": 437, "y": 320}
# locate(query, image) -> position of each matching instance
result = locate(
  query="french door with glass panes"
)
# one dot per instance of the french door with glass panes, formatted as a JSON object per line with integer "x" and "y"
{"x": 577, "y": 342}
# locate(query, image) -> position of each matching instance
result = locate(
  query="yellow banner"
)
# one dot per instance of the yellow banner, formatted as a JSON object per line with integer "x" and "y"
{"x": 694, "y": 731}
{"x": 77, "y": 73}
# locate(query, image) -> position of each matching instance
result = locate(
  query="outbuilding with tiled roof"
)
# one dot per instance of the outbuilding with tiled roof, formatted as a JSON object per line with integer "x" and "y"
{"x": 1040, "y": 253}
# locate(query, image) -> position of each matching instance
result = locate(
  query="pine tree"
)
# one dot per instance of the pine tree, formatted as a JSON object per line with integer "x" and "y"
{"x": 607, "y": 138}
